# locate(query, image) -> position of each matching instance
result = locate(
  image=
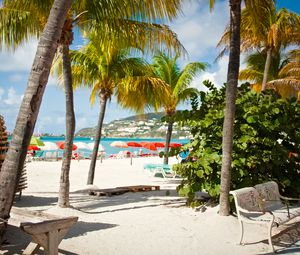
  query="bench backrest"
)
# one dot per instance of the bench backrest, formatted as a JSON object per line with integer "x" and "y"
{"x": 246, "y": 198}
{"x": 269, "y": 192}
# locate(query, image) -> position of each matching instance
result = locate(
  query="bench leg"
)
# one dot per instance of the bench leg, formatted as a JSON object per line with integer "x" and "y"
{"x": 242, "y": 232}
{"x": 52, "y": 243}
{"x": 270, "y": 237}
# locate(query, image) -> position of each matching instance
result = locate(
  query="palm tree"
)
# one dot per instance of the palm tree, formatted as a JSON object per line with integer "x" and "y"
{"x": 271, "y": 31}
{"x": 279, "y": 73}
{"x": 231, "y": 90}
{"x": 14, "y": 161}
{"x": 110, "y": 17}
{"x": 289, "y": 75}
{"x": 179, "y": 81}
{"x": 107, "y": 70}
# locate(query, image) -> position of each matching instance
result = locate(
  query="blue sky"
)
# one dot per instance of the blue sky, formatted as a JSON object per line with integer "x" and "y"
{"x": 198, "y": 29}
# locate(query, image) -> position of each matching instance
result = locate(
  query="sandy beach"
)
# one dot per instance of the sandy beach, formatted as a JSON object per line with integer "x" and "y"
{"x": 155, "y": 222}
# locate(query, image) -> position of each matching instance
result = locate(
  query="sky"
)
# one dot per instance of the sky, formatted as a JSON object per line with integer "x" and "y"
{"x": 198, "y": 29}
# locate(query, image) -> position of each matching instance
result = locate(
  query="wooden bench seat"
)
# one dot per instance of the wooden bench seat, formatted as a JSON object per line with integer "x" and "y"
{"x": 262, "y": 204}
{"x": 46, "y": 230}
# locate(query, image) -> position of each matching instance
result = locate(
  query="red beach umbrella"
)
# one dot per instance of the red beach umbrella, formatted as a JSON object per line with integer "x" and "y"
{"x": 61, "y": 145}
{"x": 134, "y": 144}
{"x": 33, "y": 148}
{"x": 159, "y": 144}
{"x": 174, "y": 145}
{"x": 149, "y": 146}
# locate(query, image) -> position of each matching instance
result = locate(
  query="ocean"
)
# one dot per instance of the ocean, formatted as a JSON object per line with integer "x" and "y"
{"x": 105, "y": 142}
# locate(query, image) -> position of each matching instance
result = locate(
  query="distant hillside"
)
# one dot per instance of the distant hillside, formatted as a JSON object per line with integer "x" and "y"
{"x": 143, "y": 125}
{"x": 146, "y": 116}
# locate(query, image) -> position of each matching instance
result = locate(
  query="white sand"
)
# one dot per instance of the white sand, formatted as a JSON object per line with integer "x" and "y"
{"x": 133, "y": 223}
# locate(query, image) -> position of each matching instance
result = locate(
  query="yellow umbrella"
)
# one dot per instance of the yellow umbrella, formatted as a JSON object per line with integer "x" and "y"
{"x": 36, "y": 141}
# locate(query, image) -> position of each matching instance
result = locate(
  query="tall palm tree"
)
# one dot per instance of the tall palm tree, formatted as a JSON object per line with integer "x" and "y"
{"x": 107, "y": 70}
{"x": 14, "y": 161}
{"x": 270, "y": 32}
{"x": 20, "y": 17}
{"x": 281, "y": 79}
{"x": 231, "y": 90}
{"x": 179, "y": 81}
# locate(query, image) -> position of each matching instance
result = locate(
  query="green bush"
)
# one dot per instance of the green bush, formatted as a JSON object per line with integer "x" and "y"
{"x": 266, "y": 131}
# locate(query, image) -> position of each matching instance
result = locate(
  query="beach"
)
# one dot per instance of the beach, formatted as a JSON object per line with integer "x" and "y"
{"x": 153, "y": 222}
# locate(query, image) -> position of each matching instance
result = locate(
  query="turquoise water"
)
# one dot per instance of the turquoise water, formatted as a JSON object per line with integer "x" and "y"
{"x": 105, "y": 142}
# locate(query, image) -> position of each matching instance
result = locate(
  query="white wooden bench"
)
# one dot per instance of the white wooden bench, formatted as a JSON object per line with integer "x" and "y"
{"x": 262, "y": 204}
{"x": 46, "y": 230}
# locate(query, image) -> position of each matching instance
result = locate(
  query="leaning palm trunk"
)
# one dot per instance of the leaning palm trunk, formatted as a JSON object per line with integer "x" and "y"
{"x": 231, "y": 90}
{"x": 14, "y": 161}
{"x": 267, "y": 68}
{"x": 64, "y": 185}
{"x": 168, "y": 140}
{"x": 103, "y": 100}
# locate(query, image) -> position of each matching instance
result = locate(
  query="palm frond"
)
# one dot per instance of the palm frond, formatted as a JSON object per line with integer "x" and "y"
{"x": 166, "y": 68}
{"x": 187, "y": 75}
{"x": 187, "y": 93}
{"x": 150, "y": 91}
{"x": 262, "y": 26}
{"x": 143, "y": 10}
{"x": 130, "y": 33}
{"x": 251, "y": 75}
{"x": 295, "y": 83}
{"x": 17, "y": 26}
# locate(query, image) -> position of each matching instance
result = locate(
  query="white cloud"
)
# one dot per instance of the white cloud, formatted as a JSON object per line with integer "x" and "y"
{"x": 200, "y": 30}
{"x": 12, "y": 97}
{"x": 21, "y": 59}
{"x": 10, "y": 102}
{"x": 218, "y": 77}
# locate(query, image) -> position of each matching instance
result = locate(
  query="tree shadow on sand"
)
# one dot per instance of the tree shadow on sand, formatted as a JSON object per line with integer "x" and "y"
{"x": 82, "y": 228}
{"x": 131, "y": 200}
{"x": 36, "y": 201}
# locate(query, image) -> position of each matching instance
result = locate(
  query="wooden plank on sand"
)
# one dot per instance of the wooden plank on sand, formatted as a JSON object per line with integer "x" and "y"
{"x": 122, "y": 190}
{"x": 108, "y": 192}
{"x": 140, "y": 188}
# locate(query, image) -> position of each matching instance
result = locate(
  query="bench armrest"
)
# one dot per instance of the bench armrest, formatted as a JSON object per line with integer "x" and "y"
{"x": 254, "y": 212}
{"x": 289, "y": 198}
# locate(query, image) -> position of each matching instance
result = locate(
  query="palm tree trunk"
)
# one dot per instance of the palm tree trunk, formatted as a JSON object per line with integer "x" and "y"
{"x": 267, "y": 68}
{"x": 231, "y": 91}
{"x": 103, "y": 100}
{"x": 168, "y": 140}
{"x": 14, "y": 161}
{"x": 64, "y": 185}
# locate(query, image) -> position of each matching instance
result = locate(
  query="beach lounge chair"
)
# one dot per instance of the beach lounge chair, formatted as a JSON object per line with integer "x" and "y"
{"x": 39, "y": 155}
{"x": 166, "y": 173}
{"x": 163, "y": 170}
